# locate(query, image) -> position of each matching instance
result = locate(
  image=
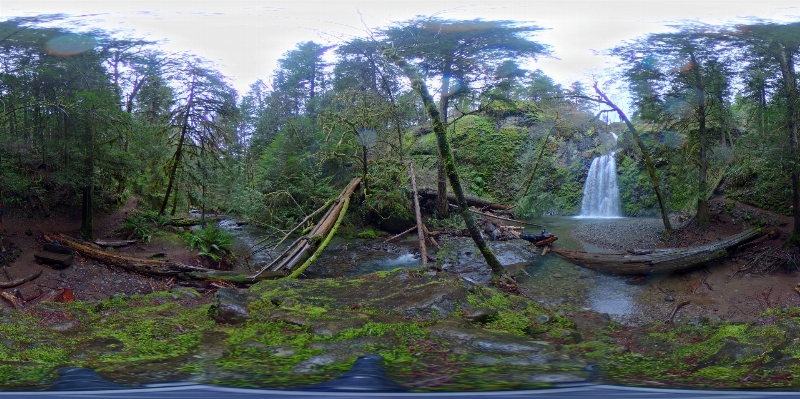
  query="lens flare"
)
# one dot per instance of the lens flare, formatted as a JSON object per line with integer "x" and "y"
{"x": 649, "y": 62}
{"x": 687, "y": 67}
{"x": 672, "y": 139}
{"x": 367, "y": 137}
{"x": 70, "y": 44}
{"x": 678, "y": 108}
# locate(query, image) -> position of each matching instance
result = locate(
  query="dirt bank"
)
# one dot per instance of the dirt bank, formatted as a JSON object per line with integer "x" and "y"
{"x": 756, "y": 276}
{"x": 87, "y": 278}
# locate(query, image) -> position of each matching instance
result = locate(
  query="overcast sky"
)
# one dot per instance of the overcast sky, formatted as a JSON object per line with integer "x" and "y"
{"x": 246, "y": 38}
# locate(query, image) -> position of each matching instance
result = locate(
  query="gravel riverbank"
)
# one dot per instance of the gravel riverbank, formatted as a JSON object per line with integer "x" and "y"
{"x": 620, "y": 235}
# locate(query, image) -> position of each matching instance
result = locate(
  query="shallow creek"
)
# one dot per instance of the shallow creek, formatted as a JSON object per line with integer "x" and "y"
{"x": 548, "y": 279}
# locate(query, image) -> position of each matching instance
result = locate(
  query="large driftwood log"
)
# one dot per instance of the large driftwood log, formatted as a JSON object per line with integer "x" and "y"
{"x": 154, "y": 267}
{"x": 471, "y": 201}
{"x": 658, "y": 261}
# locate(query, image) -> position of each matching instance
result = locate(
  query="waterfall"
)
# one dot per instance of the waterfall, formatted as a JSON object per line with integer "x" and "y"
{"x": 601, "y": 192}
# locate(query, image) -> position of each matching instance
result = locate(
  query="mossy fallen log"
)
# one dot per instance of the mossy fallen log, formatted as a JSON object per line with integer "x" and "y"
{"x": 300, "y": 250}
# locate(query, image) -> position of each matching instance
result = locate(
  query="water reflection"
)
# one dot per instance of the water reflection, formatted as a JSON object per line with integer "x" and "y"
{"x": 557, "y": 282}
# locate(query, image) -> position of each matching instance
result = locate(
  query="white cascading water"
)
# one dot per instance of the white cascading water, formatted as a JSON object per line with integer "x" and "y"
{"x": 601, "y": 192}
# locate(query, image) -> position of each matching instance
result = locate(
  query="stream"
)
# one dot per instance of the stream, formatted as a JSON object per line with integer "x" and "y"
{"x": 548, "y": 279}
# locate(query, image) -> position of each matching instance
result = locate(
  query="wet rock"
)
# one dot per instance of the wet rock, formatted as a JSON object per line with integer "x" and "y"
{"x": 557, "y": 378}
{"x": 293, "y": 319}
{"x": 480, "y": 315}
{"x": 429, "y": 304}
{"x": 312, "y": 364}
{"x": 65, "y": 326}
{"x": 337, "y": 324}
{"x": 731, "y": 351}
{"x": 565, "y": 336}
{"x": 232, "y": 306}
{"x": 282, "y": 351}
{"x": 698, "y": 321}
{"x": 522, "y": 361}
{"x": 466, "y": 338}
{"x": 99, "y": 347}
{"x": 184, "y": 292}
{"x": 346, "y": 350}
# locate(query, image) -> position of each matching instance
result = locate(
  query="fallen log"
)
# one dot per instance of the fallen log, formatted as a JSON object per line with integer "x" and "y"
{"x": 114, "y": 243}
{"x": 394, "y": 237}
{"x": 504, "y": 218}
{"x": 659, "y": 261}
{"x": 63, "y": 295}
{"x": 302, "y": 222}
{"x": 546, "y": 241}
{"x": 154, "y": 267}
{"x": 15, "y": 302}
{"x": 20, "y": 281}
{"x": 428, "y": 193}
{"x": 302, "y": 248}
{"x": 296, "y": 273}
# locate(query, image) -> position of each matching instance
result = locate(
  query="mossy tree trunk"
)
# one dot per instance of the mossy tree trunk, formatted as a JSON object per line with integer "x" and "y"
{"x": 447, "y": 159}
{"x": 651, "y": 169}
{"x": 442, "y": 206}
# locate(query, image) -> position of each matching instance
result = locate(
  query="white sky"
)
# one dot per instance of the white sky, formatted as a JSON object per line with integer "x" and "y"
{"x": 246, "y": 38}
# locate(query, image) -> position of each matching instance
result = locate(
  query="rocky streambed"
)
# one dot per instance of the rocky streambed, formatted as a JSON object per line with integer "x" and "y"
{"x": 434, "y": 332}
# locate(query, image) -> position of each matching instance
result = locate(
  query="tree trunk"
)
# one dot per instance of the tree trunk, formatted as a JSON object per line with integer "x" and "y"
{"x": 442, "y": 206}
{"x": 447, "y": 159}
{"x": 790, "y": 81}
{"x": 702, "y": 196}
{"x": 651, "y": 169}
{"x": 87, "y": 209}
{"x": 423, "y": 250}
{"x": 178, "y": 151}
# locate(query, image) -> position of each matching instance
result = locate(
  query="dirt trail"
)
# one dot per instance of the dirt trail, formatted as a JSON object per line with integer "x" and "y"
{"x": 750, "y": 279}
{"x": 87, "y": 278}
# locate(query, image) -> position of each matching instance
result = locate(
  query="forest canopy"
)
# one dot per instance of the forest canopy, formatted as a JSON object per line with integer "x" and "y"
{"x": 90, "y": 119}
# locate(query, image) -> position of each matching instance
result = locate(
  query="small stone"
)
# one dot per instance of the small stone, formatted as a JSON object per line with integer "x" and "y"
{"x": 542, "y": 318}
{"x": 480, "y": 315}
{"x": 669, "y": 298}
{"x": 184, "y": 292}
{"x": 67, "y": 325}
{"x": 62, "y": 275}
{"x": 558, "y": 275}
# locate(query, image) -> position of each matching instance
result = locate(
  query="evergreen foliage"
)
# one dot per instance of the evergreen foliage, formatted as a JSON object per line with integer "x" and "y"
{"x": 119, "y": 117}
